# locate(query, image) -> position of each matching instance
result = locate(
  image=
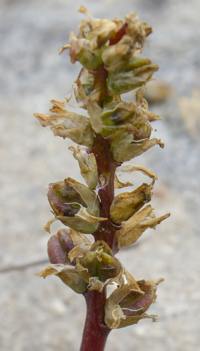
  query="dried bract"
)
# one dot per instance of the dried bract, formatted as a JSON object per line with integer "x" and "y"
{"x": 135, "y": 226}
{"x": 67, "y": 124}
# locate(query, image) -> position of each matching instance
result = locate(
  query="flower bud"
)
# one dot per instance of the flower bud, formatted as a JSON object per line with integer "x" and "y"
{"x": 120, "y": 121}
{"x": 128, "y": 303}
{"x": 98, "y": 263}
{"x": 126, "y": 204}
{"x": 118, "y": 114}
{"x": 115, "y": 57}
{"x": 81, "y": 50}
{"x": 65, "y": 238}
{"x": 127, "y": 80}
{"x": 99, "y": 31}
{"x": 124, "y": 147}
{"x": 55, "y": 251}
{"x": 64, "y": 200}
{"x": 75, "y": 205}
{"x": 135, "y": 305}
{"x": 86, "y": 47}
{"x": 137, "y": 29}
{"x": 58, "y": 247}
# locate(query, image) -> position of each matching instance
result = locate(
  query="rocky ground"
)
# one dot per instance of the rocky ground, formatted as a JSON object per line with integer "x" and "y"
{"x": 41, "y": 314}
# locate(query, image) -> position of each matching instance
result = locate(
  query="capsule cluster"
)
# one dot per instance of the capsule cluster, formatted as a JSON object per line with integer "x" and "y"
{"x": 110, "y": 53}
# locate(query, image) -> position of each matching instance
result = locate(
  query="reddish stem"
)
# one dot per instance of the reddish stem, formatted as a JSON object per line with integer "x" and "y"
{"x": 95, "y": 331}
{"x": 106, "y": 169}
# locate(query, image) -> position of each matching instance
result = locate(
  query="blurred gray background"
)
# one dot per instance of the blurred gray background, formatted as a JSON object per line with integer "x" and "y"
{"x": 44, "y": 315}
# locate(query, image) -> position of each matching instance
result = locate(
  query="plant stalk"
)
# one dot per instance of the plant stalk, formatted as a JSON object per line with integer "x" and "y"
{"x": 95, "y": 331}
{"x": 106, "y": 169}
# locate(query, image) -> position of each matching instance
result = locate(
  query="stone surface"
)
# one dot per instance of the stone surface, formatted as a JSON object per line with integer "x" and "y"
{"x": 41, "y": 314}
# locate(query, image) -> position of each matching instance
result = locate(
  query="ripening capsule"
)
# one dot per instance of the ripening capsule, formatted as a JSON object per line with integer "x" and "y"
{"x": 75, "y": 205}
{"x": 59, "y": 246}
